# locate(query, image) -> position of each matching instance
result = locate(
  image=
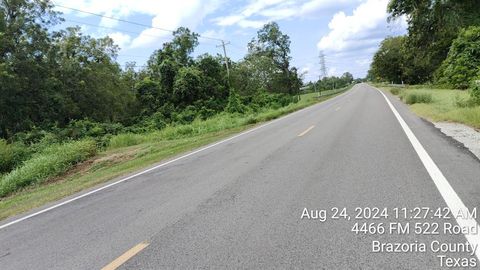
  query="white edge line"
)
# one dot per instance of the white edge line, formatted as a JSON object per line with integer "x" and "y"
{"x": 446, "y": 190}
{"x": 156, "y": 167}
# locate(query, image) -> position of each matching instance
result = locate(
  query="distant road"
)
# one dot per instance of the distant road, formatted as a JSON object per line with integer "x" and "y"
{"x": 239, "y": 203}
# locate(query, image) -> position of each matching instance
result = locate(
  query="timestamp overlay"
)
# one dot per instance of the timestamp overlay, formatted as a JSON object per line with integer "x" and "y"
{"x": 420, "y": 236}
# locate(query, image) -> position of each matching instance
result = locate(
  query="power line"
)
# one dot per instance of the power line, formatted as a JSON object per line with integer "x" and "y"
{"x": 112, "y": 28}
{"x": 129, "y": 22}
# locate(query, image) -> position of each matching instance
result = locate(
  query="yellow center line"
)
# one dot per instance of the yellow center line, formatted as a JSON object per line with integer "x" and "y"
{"x": 125, "y": 256}
{"x": 305, "y": 132}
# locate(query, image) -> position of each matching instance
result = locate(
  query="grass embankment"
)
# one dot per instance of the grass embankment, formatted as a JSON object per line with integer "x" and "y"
{"x": 439, "y": 104}
{"x": 124, "y": 154}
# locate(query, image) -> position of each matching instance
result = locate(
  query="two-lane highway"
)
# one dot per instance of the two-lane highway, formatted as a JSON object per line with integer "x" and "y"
{"x": 239, "y": 203}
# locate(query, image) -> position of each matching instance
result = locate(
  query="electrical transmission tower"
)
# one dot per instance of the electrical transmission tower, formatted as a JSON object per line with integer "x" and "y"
{"x": 323, "y": 66}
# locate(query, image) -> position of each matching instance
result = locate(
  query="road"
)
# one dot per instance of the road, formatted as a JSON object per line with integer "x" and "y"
{"x": 239, "y": 203}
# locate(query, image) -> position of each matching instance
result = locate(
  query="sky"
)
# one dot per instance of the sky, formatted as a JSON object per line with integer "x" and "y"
{"x": 348, "y": 32}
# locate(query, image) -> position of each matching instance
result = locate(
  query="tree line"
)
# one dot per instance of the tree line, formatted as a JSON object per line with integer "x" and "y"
{"x": 442, "y": 45}
{"x": 57, "y": 79}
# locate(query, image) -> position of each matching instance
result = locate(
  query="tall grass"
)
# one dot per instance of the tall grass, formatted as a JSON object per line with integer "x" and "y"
{"x": 219, "y": 122}
{"x": 412, "y": 98}
{"x": 441, "y": 104}
{"x": 50, "y": 162}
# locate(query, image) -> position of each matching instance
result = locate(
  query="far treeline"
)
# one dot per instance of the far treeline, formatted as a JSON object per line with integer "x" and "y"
{"x": 63, "y": 81}
{"x": 442, "y": 45}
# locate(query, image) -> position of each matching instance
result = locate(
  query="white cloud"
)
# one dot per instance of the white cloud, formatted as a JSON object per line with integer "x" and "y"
{"x": 121, "y": 39}
{"x": 166, "y": 14}
{"x": 353, "y": 39}
{"x": 274, "y": 10}
{"x": 366, "y": 27}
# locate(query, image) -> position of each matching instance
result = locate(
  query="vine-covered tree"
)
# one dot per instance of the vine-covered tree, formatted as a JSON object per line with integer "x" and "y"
{"x": 432, "y": 26}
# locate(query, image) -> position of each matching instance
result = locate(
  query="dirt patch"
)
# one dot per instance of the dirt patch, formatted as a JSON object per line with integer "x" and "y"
{"x": 94, "y": 163}
{"x": 462, "y": 133}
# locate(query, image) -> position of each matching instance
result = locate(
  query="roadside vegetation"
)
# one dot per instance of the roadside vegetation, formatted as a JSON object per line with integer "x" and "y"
{"x": 71, "y": 116}
{"x": 440, "y": 52}
{"x": 439, "y": 104}
{"x": 128, "y": 152}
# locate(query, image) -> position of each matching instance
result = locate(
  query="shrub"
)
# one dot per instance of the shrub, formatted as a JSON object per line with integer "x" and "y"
{"x": 234, "y": 104}
{"x": 413, "y": 98}
{"x": 155, "y": 122}
{"x": 395, "y": 91}
{"x": 52, "y": 161}
{"x": 79, "y": 129}
{"x": 475, "y": 92}
{"x": 12, "y": 155}
{"x": 186, "y": 116}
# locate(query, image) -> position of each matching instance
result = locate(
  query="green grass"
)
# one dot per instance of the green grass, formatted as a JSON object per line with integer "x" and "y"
{"x": 128, "y": 153}
{"x": 50, "y": 162}
{"x": 439, "y": 104}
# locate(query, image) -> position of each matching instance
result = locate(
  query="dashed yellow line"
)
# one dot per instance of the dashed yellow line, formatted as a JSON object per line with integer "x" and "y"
{"x": 306, "y": 131}
{"x": 126, "y": 256}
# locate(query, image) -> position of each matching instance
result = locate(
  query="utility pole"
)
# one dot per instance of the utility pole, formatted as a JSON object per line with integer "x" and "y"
{"x": 226, "y": 59}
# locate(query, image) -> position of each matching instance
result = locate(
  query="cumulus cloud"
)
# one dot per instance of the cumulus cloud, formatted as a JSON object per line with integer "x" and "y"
{"x": 166, "y": 14}
{"x": 121, "y": 39}
{"x": 258, "y": 12}
{"x": 353, "y": 39}
{"x": 365, "y": 28}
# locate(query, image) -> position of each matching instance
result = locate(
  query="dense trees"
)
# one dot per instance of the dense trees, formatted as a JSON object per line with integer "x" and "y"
{"x": 334, "y": 82}
{"x": 432, "y": 28}
{"x": 388, "y": 61}
{"x": 462, "y": 65}
{"x": 54, "y": 80}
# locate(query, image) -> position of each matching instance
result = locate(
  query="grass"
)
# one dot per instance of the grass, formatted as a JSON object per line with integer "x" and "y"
{"x": 50, "y": 162}
{"x": 439, "y": 104}
{"x": 128, "y": 153}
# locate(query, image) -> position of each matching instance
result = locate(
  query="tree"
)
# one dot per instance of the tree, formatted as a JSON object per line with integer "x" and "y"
{"x": 387, "y": 64}
{"x": 214, "y": 83}
{"x": 87, "y": 79}
{"x": 24, "y": 62}
{"x": 432, "y": 26}
{"x": 187, "y": 87}
{"x": 273, "y": 44}
{"x": 462, "y": 65}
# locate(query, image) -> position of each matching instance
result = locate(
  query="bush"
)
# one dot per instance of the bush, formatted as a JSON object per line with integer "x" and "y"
{"x": 234, "y": 104}
{"x": 155, "y": 122}
{"x": 186, "y": 116}
{"x": 413, "y": 98}
{"x": 79, "y": 129}
{"x": 395, "y": 91}
{"x": 52, "y": 161}
{"x": 12, "y": 155}
{"x": 475, "y": 92}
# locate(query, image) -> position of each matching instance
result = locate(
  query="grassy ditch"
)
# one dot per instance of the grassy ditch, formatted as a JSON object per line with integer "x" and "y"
{"x": 439, "y": 104}
{"x": 62, "y": 170}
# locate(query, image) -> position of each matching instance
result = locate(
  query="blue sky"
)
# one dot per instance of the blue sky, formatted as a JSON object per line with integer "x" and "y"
{"x": 347, "y": 31}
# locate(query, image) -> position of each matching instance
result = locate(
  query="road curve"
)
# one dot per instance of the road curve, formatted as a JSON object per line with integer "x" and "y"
{"x": 239, "y": 204}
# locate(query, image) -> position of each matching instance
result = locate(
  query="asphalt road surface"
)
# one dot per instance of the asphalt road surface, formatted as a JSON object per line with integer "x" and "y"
{"x": 239, "y": 203}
